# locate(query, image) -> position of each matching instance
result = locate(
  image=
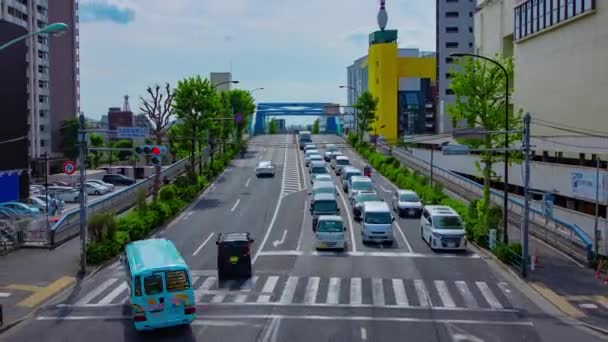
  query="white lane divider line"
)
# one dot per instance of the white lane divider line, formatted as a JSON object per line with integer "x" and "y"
{"x": 384, "y": 189}
{"x": 236, "y": 204}
{"x": 202, "y": 244}
{"x": 97, "y": 291}
{"x": 351, "y": 226}
{"x": 247, "y": 182}
{"x": 402, "y": 234}
{"x": 187, "y": 216}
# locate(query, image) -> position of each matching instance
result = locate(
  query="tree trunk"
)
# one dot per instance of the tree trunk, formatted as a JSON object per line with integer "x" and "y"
{"x": 157, "y": 170}
{"x": 487, "y": 179}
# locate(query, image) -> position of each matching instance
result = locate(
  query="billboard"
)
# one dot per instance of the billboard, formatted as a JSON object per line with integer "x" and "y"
{"x": 583, "y": 185}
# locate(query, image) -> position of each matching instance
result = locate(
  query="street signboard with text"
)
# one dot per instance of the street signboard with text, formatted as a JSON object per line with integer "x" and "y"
{"x": 132, "y": 132}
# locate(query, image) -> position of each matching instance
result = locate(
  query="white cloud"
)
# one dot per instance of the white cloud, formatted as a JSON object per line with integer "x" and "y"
{"x": 297, "y": 50}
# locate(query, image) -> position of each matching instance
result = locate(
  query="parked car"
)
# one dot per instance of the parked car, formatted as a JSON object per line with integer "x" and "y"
{"x": 60, "y": 184}
{"x": 102, "y": 183}
{"x": 40, "y": 204}
{"x": 407, "y": 203}
{"x": 95, "y": 189}
{"x": 118, "y": 180}
{"x": 21, "y": 209}
{"x": 64, "y": 193}
{"x": 264, "y": 168}
{"x": 51, "y": 198}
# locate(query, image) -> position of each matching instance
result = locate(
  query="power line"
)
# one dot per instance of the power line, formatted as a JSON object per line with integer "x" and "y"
{"x": 572, "y": 145}
{"x": 568, "y": 126}
{"x": 571, "y": 130}
{"x": 13, "y": 140}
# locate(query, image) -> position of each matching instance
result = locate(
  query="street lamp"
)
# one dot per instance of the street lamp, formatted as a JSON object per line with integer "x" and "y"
{"x": 254, "y": 90}
{"x": 505, "y": 234}
{"x": 52, "y": 28}
{"x": 356, "y": 98}
{"x": 225, "y": 82}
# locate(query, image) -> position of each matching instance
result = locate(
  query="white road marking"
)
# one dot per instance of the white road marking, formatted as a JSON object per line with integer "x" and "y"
{"x": 299, "y": 246}
{"x": 423, "y": 295}
{"x": 202, "y": 244}
{"x": 351, "y": 226}
{"x": 4, "y": 294}
{"x": 355, "y": 291}
{"x": 333, "y": 291}
{"x": 279, "y": 253}
{"x": 444, "y": 294}
{"x": 187, "y": 216}
{"x": 227, "y": 323}
{"x": 309, "y": 317}
{"x": 399, "y": 290}
{"x": 312, "y": 287}
{"x": 466, "y": 294}
{"x": 247, "y": 182}
{"x": 97, "y": 291}
{"x": 269, "y": 286}
{"x": 384, "y": 189}
{"x": 207, "y": 284}
{"x": 363, "y": 334}
{"x": 236, "y": 204}
{"x": 588, "y": 306}
{"x": 211, "y": 188}
{"x": 368, "y": 254}
{"x": 488, "y": 295}
{"x": 400, "y": 230}
{"x": 276, "y": 243}
{"x": 218, "y": 298}
{"x": 290, "y": 289}
{"x": 115, "y": 293}
{"x": 377, "y": 292}
{"x": 274, "y": 215}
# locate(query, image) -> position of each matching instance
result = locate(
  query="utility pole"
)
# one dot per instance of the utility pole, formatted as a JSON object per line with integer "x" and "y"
{"x": 82, "y": 139}
{"x": 524, "y": 230}
{"x": 46, "y": 190}
{"x": 432, "y": 149}
{"x": 596, "y": 233}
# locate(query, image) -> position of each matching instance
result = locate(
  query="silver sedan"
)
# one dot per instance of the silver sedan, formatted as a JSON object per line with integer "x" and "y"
{"x": 265, "y": 168}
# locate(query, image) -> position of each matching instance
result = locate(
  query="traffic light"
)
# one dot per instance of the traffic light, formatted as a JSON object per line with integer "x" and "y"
{"x": 152, "y": 152}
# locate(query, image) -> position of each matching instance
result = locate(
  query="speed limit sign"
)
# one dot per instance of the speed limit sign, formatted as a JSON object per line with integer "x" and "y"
{"x": 69, "y": 167}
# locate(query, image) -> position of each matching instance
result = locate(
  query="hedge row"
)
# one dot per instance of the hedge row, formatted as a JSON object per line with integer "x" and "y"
{"x": 403, "y": 178}
{"x": 109, "y": 234}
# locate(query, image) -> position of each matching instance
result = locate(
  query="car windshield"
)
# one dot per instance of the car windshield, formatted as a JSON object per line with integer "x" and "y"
{"x": 352, "y": 173}
{"x": 362, "y": 186}
{"x": 319, "y": 170}
{"x": 378, "y": 218}
{"x": 325, "y": 206}
{"x": 326, "y": 190}
{"x": 342, "y": 162}
{"x": 447, "y": 222}
{"x": 315, "y": 157}
{"x": 327, "y": 226}
{"x": 367, "y": 197}
{"x": 409, "y": 198}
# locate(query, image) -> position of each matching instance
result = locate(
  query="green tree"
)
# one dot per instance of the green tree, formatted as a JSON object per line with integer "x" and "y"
{"x": 242, "y": 102}
{"x": 158, "y": 107}
{"x": 366, "y": 112}
{"x": 479, "y": 88}
{"x": 96, "y": 140}
{"x": 69, "y": 138}
{"x": 196, "y": 103}
{"x": 272, "y": 127}
{"x": 124, "y": 143}
{"x": 315, "y": 127}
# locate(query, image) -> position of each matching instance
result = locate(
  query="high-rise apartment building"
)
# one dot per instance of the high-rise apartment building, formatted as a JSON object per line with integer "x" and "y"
{"x": 454, "y": 20}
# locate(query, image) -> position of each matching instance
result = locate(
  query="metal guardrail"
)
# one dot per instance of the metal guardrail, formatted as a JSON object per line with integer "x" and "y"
{"x": 563, "y": 235}
{"x": 69, "y": 224}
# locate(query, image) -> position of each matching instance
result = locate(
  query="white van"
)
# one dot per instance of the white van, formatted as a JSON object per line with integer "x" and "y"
{"x": 442, "y": 228}
{"x": 330, "y": 232}
{"x": 377, "y": 223}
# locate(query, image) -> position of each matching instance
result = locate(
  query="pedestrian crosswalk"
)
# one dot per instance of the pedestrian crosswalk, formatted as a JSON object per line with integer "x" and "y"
{"x": 294, "y": 290}
{"x": 292, "y": 176}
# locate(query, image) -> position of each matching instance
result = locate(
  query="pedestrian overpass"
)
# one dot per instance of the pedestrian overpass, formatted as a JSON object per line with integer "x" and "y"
{"x": 329, "y": 112}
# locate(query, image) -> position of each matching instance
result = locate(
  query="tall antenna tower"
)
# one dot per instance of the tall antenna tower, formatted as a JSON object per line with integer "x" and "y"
{"x": 126, "y": 107}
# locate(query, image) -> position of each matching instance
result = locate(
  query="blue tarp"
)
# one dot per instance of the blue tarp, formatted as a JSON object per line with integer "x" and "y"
{"x": 9, "y": 185}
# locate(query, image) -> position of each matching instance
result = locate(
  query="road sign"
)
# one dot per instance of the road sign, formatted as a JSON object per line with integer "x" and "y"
{"x": 238, "y": 118}
{"x": 132, "y": 132}
{"x": 69, "y": 167}
{"x": 455, "y": 150}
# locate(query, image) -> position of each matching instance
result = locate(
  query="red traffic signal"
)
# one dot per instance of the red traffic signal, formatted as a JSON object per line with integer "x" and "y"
{"x": 155, "y": 150}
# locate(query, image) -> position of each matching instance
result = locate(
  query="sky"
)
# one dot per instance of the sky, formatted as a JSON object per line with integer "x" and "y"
{"x": 298, "y": 50}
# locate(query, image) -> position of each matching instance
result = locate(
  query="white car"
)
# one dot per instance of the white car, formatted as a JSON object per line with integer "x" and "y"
{"x": 264, "y": 168}
{"x": 102, "y": 183}
{"x": 65, "y": 193}
{"x": 323, "y": 178}
{"x": 442, "y": 228}
{"x": 407, "y": 203}
{"x": 311, "y": 158}
{"x": 359, "y": 184}
{"x": 317, "y": 168}
{"x": 95, "y": 189}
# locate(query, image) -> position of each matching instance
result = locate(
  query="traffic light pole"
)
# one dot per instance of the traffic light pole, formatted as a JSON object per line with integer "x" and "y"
{"x": 82, "y": 139}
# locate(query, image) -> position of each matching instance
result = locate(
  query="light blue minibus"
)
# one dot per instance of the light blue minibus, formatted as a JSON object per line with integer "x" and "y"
{"x": 160, "y": 285}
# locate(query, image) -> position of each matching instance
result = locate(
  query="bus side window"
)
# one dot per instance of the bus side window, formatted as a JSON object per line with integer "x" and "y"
{"x": 137, "y": 286}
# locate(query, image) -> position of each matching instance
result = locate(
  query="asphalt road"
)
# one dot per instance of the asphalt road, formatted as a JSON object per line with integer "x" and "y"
{"x": 368, "y": 293}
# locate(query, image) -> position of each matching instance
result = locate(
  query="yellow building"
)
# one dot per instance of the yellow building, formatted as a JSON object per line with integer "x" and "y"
{"x": 391, "y": 73}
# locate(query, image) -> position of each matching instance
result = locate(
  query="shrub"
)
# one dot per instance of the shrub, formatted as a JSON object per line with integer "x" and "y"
{"x": 168, "y": 192}
{"x": 141, "y": 203}
{"x": 102, "y": 226}
{"x": 161, "y": 210}
{"x": 134, "y": 225}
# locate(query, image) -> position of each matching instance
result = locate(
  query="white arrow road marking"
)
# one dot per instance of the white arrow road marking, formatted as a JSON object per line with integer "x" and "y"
{"x": 4, "y": 294}
{"x": 282, "y": 241}
{"x": 384, "y": 189}
{"x": 236, "y": 204}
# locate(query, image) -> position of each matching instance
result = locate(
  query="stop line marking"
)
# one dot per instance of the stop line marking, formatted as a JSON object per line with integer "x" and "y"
{"x": 362, "y": 253}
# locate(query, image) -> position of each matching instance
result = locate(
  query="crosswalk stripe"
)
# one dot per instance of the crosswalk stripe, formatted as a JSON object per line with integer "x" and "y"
{"x": 97, "y": 291}
{"x": 271, "y": 282}
{"x": 206, "y": 286}
{"x": 399, "y": 290}
{"x": 115, "y": 293}
{"x": 333, "y": 292}
{"x": 466, "y": 294}
{"x": 218, "y": 298}
{"x": 488, "y": 295}
{"x": 355, "y": 291}
{"x": 377, "y": 292}
{"x": 444, "y": 294}
{"x": 250, "y": 284}
{"x": 290, "y": 289}
{"x": 312, "y": 287}
{"x": 423, "y": 295}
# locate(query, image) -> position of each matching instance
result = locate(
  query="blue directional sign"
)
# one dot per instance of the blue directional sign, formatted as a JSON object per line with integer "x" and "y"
{"x": 132, "y": 132}
{"x": 455, "y": 150}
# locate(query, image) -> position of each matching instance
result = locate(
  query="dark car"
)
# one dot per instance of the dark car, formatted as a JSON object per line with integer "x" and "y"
{"x": 118, "y": 180}
{"x": 234, "y": 255}
{"x": 323, "y": 204}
